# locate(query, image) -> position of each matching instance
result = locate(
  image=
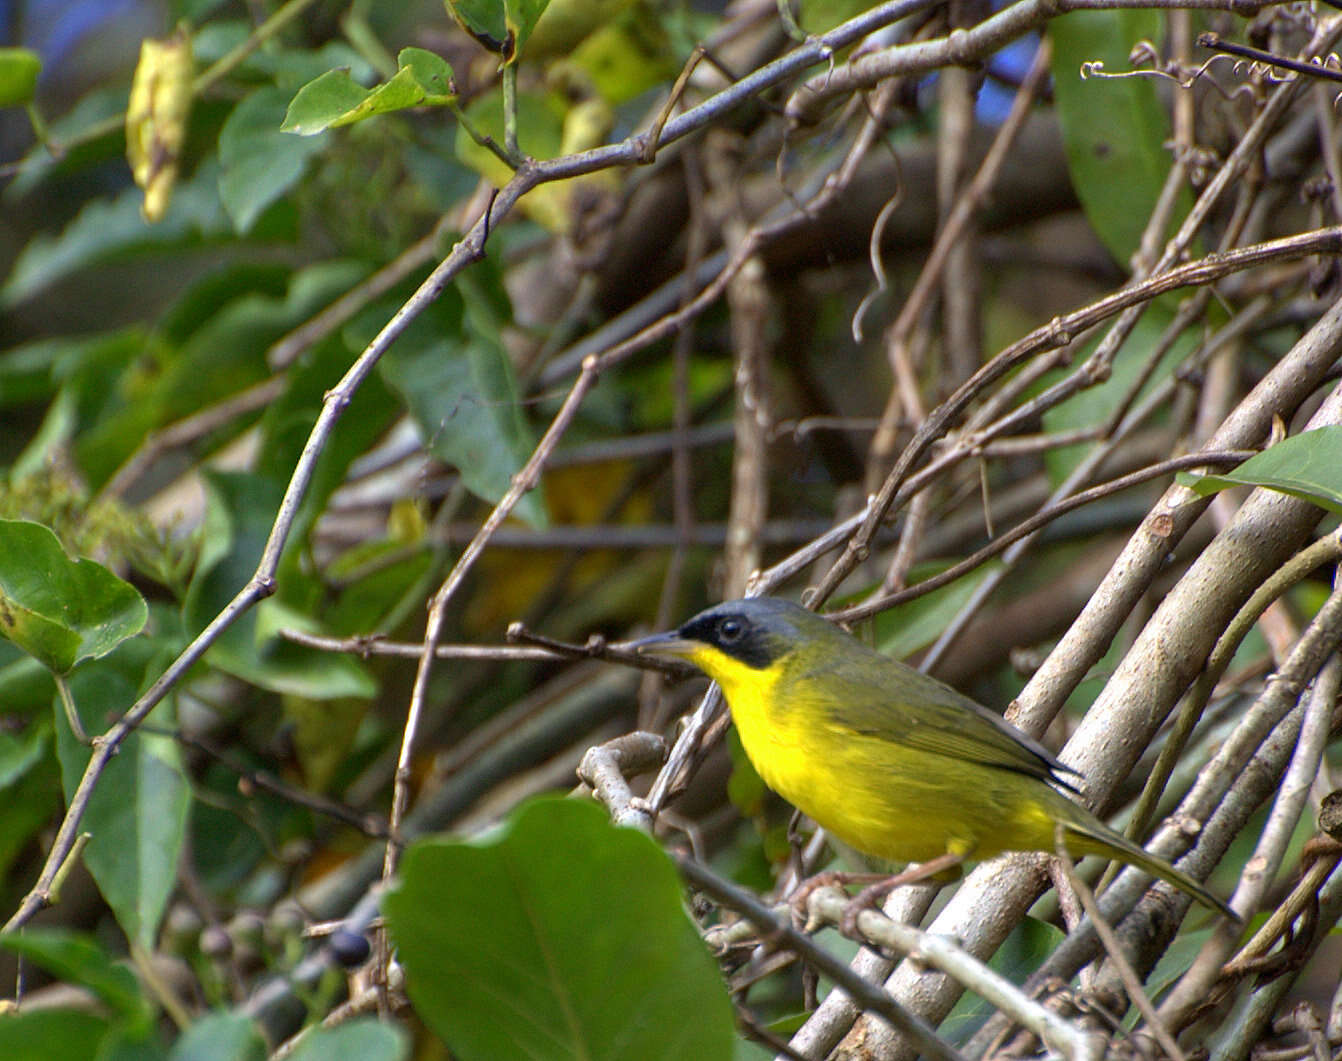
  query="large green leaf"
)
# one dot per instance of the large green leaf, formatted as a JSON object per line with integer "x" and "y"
{"x": 259, "y": 163}
{"x": 1307, "y": 465}
{"x": 559, "y": 936}
{"x": 29, "y": 800}
{"x": 105, "y": 230}
{"x": 1114, "y": 130}
{"x": 220, "y": 1037}
{"x": 240, "y": 510}
{"x": 138, "y": 812}
{"x": 51, "y": 1035}
{"x": 359, "y": 1040}
{"x": 80, "y": 959}
{"x": 20, "y": 753}
{"x": 453, "y": 373}
{"x": 218, "y": 355}
{"x": 34, "y": 371}
{"x": 58, "y": 610}
{"x": 336, "y": 99}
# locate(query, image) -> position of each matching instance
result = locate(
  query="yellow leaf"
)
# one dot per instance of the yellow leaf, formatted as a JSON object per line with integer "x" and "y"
{"x": 160, "y": 100}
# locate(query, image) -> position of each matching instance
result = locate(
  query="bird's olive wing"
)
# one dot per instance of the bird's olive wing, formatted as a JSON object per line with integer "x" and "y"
{"x": 894, "y": 702}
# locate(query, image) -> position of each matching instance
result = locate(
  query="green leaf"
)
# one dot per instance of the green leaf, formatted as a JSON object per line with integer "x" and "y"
{"x": 32, "y": 372}
{"x": 322, "y": 102}
{"x": 335, "y": 99}
{"x": 557, "y": 936}
{"x": 87, "y": 374}
{"x": 433, "y": 72}
{"x": 501, "y": 26}
{"x": 30, "y": 800}
{"x": 19, "y": 68}
{"x": 288, "y": 67}
{"x": 217, "y": 355}
{"x": 240, "y": 510}
{"x": 483, "y": 20}
{"x": 259, "y": 163}
{"x": 521, "y": 17}
{"x": 458, "y": 384}
{"x": 1307, "y": 465}
{"x": 220, "y": 1037}
{"x": 359, "y": 1040}
{"x": 51, "y": 1035}
{"x": 80, "y": 959}
{"x": 138, "y": 812}
{"x": 106, "y": 230}
{"x": 93, "y": 109}
{"x": 26, "y": 687}
{"x": 1114, "y": 130}
{"x": 376, "y": 576}
{"x": 59, "y": 610}
{"x": 19, "y": 754}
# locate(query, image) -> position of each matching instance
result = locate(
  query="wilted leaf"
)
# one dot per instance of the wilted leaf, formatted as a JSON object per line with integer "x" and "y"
{"x": 160, "y": 100}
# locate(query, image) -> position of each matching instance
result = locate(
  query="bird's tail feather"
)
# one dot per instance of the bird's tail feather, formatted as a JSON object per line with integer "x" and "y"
{"x": 1096, "y": 838}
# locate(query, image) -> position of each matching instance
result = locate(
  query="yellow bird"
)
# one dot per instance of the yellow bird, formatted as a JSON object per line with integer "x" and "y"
{"x": 890, "y": 761}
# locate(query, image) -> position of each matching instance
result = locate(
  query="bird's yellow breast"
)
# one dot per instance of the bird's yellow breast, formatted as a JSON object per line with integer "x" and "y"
{"x": 875, "y": 794}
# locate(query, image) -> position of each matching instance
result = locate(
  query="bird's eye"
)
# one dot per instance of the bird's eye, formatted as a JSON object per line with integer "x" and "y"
{"x": 730, "y": 631}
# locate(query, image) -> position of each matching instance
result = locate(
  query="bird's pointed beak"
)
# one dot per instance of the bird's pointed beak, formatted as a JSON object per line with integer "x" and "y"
{"x": 664, "y": 646}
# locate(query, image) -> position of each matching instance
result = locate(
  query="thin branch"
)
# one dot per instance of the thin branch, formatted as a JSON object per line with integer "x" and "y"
{"x": 868, "y": 995}
{"x": 963, "y": 47}
{"x": 875, "y": 605}
{"x": 1131, "y": 981}
{"x": 1214, "y": 42}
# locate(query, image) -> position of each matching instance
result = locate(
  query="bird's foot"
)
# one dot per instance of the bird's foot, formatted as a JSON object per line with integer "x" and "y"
{"x": 871, "y": 897}
{"x": 828, "y": 879}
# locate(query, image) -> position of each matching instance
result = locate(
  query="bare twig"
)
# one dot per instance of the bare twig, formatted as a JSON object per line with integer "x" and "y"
{"x": 867, "y": 994}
